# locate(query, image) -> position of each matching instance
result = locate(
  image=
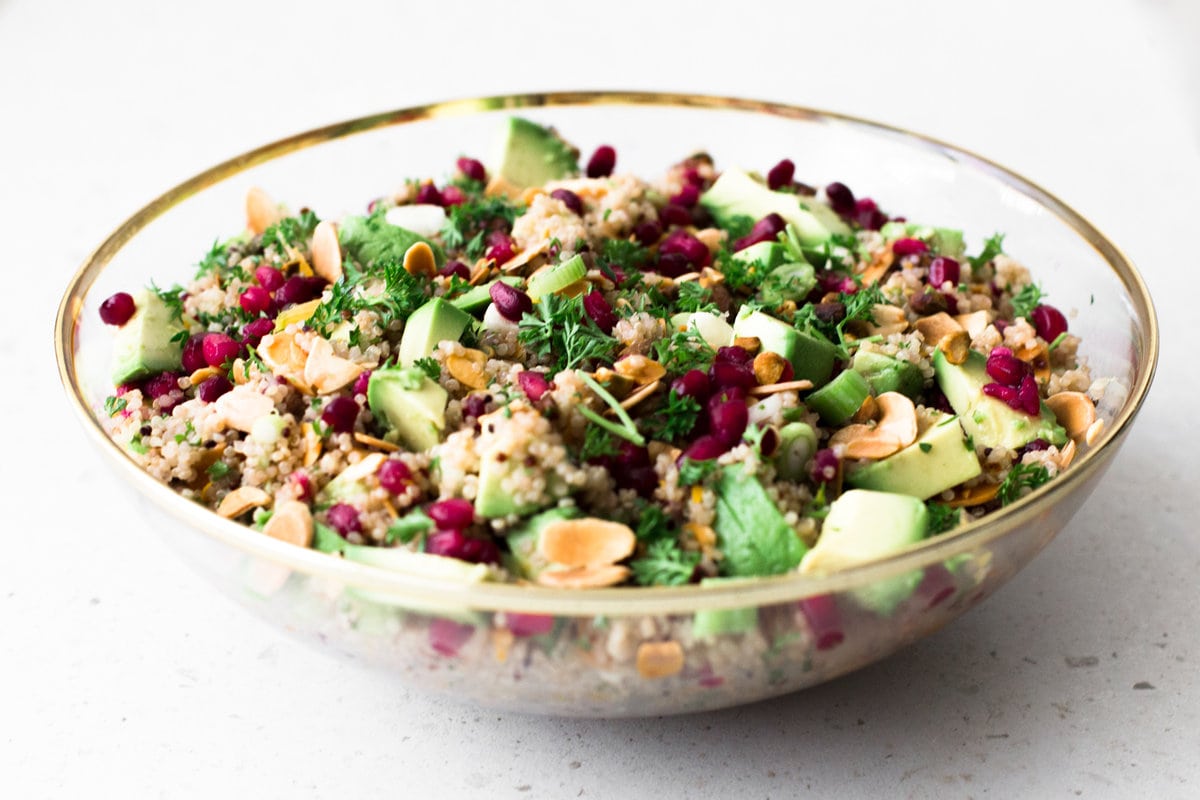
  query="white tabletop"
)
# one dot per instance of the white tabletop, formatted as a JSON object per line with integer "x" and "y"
{"x": 122, "y": 671}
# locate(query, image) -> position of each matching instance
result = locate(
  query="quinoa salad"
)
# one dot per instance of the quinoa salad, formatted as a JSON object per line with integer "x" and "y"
{"x": 552, "y": 372}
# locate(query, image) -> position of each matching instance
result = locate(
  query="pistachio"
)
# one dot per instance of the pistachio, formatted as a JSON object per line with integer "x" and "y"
{"x": 468, "y": 368}
{"x": 640, "y": 369}
{"x": 586, "y": 542}
{"x": 769, "y": 367}
{"x": 937, "y": 326}
{"x": 751, "y": 344}
{"x": 292, "y": 522}
{"x": 1074, "y": 411}
{"x": 326, "y": 252}
{"x": 584, "y": 577}
{"x": 659, "y": 659}
{"x": 261, "y": 211}
{"x": 241, "y": 500}
{"x": 419, "y": 260}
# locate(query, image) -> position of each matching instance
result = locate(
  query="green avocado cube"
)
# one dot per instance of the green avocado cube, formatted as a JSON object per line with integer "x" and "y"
{"x": 886, "y": 373}
{"x": 709, "y": 624}
{"x": 940, "y": 459}
{"x": 149, "y": 343}
{"x": 411, "y": 405}
{"x": 530, "y": 154}
{"x": 435, "y": 322}
{"x": 737, "y": 193}
{"x": 811, "y": 355}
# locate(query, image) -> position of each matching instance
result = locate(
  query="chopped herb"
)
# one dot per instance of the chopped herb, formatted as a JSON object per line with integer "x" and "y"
{"x": 1026, "y": 300}
{"x": 597, "y": 442}
{"x": 674, "y": 420}
{"x": 693, "y": 297}
{"x": 941, "y": 518}
{"x": 653, "y": 523}
{"x": 1057, "y": 341}
{"x": 218, "y": 470}
{"x": 114, "y": 405}
{"x": 290, "y": 232}
{"x": 684, "y": 350}
{"x": 135, "y": 444}
{"x": 173, "y": 298}
{"x": 402, "y": 294}
{"x": 189, "y": 433}
{"x": 740, "y": 275}
{"x": 560, "y": 328}
{"x": 1021, "y": 476}
{"x": 215, "y": 261}
{"x": 468, "y": 223}
{"x": 694, "y": 472}
{"x": 627, "y": 429}
{"x": 406, "y": 528}
{"x": 429, "y": 366}
{"x": 623, "y": 253}
{"x": 664, "y": 564}
{"x": 925, "y": 447}
{"x": 738, "y": 226}
{"x": 992, "y": 247}
{"x": 860, "y": 307}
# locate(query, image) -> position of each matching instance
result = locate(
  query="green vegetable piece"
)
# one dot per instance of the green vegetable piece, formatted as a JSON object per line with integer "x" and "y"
{"x": 149, "y": 343}
{"x": 410, "y": 404}
{"x": 767, "y": 255}
{"x": 888, "y": 374}
{"x": 736, "y": 193}
{"x": 435, "y": 322}
{"x": 724, "y": 621}
{"x": 797, "y": 444}
{"x": 478, "y": 297}
{"x": 751, "y": 532}
{"x": 524, "y": 558}
{"x": 811, "y": 354}
{"x": 937, "y": 461}
{"x": 408, "y": 527}
{"x": 788, "y": 282}
{"x": 556, "y": 278}
{"x": 372, "y": 239}
{"x": 837, "y": 401}
{"x": 530, "y": 155}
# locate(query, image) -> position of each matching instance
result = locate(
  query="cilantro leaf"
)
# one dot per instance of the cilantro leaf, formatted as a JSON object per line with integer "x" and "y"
{"x": 664, "y": 564}
{"x": 694, "y": 472}
{"x": 693, "y": 297}
{"x": 290, "y": 232}
{"x": 430, "y": 367}
{"x": 597, "y": 443}
{"x": 467, "y": 223}
{"x": 684, "y": 350}
{"x": 114, "y": 405}
{"x": 674, "y": 420}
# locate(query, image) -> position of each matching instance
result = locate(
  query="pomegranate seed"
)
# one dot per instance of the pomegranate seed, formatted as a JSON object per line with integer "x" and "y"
{"x": 692, "y": 383}
{"x": 691, "y": 248}
{"x": 909, "y": 247}
{"x": 766, "y": 229}
{"x": 1035, "y": 446}
{"x": 456, "y": 544}
{"x": 648, "y": 232}
{"x": 602, "y": 162}
{"x": 598, "y": 308}
{"x": 511, "y": 302}
{"x": 428, "y": 194}
{"x": 501, "y": 247}
{"x": 692, "y": 175}
{"x": 533, "y": 384}
{"x": 630, "y": 455}
{"x": 299, "y": 289}
{"x": 704, "y": 448}
{"x": 301, "y": 484}
{"x": 117, "y": 310}
{"x": 219, "y": 349}
{"x": 821, "y": 612}
{"x": 255, "y": 300}
{"x": 453, "y": 196}
{"x": 569, "y": 199}
{"x": 733, "y": 355}
{"x": 781, "y": 174}
{"x": 344, "y": 519}
{"x": 937, "y": 585}
{"x": 788, "y": 374}
{"x": 673, "y": 214}
{"x": 269, "y": 278}
{"x": 825, "y": 466}
{"x": 728, "y": 422}
{"x": 1049, "y": 321}
{"x": 841, "y": 199}
{"x": 362, "y": 383}
{"x": 214, "y": 387}
{"x": 643, "y": 480}
{"x": 836, "y": 282}
{"x": 193, "y": 353}
{"x": 452, "y": 514}
{"x": 1007, "y": 394}
{"x": 727, "y": 375}
{"x": 447, "y": 636}
{"x": 522, "y": 625}
{"x": 161, "y": 385}
{"x": 476, "y": 405}
{"x": 340, "y": 414}
{"x": 472, "y": 169}
{"x": 687, "y": 196}
{"x": 1031, "y": 403}
{"x": 1005, "y": 368}
{"x": 943, "y": 270}
{"x": 394, "y": 476}
{"x": 726, "y": 394}
{"x": 255, "y": 330}
{"x": 951, "y": 303}
{"x": 868, "y": 215}
{"x": 452, "y": 268}
{"x": 1001, "y": 325}
{"x": 672, "y": 265}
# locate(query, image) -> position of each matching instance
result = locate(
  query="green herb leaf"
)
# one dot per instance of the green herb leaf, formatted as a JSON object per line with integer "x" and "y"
{"x": 694, "y": 297}
{"x": 467, "y": 223}
{"x": 1020, "y": 477}
{"x": 597, "y": 442}
{"x": 664, "y": 564}
{"x": 114, "y": 405}
{"x": 694, "y": 472}
{"x": 992, "y": 247}
{"x": 560, "y": 328}
{"x": 429, "y": 366}
{"x": 941, "y": 518}
{"x": 1026, "y": 300}
{"x": 674, "y": 420}
{"x": 290, "y": 232}
{"x": 684, "y": 350}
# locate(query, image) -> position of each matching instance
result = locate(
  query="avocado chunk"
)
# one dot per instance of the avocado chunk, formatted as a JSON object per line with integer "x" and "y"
{"x": 791, "y": 281}
{"x": 493, "y": 499}
{"x": 723, "y": 621}
{"x": 864, "y": 526}
{"x": 811, "y": 354}
{"x": 146, "y": 345}
{"x": 737, "y": 193}
{"x": 478, "y": 297}
{"x": 888, "y": 374}
{"x": 372, "y": 239}
{"x": 989, "y": 421}
{"x": 838, "y": 400}
{"x": 530, "y": 155}
{"x": 523, "y": 558}
{"x": 753, "y": 535}
{"x": 435, "y": 322}
{"x": 940, "y": 459}
{"x": 713, "y": 328}
{"x": 411, "y": 405}
{"x": 767, "y": 255}
{"x": 943, "y": 241}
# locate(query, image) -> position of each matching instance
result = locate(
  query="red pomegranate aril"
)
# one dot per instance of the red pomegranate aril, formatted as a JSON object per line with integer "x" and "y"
{"x": 447, "y": 636}
{"x": 453, "y": 196}
{"x": 394, "y": 476}
{"x": 219, "y": 349}
{"x": 193, "y": 353}
{"x": 117, "y": 309}
{"x": 1008, "y": 394}
{"x": 821, "y": 612}
{"x": 936, "y": 586}
{"x": 691, "y": 248}
{"x": 161, "y": 385}
{"x": 453, "y": 514}
{"x": 693, "y": 383}
{"x": 726, "y": 374}
{"x": 909, "y": 247}
{"x": 841, "y": 199}
{"x": 533, "y": 384}
{"x": 674, "y": 214}
{"x": 602, "y": 162}
{"x": 781, "y": 174}
{"x": 476, "y": 405}
{"x": 209, "y": 390}
{"x": 344, "y": 518}
{"x": 254, "y": 330}
{"x": 362, "y": 382}
{"x": 725, "y": 394}
{"x": 299, "y": 289}
{"x": 428, "y": 194}
{"x": 825, "y": 465}
{"x": 766, "y": 229}
{"x": 1049, "y": 321}
{"x": 1027, "y": 394}
{"x": 269, "y": 278}
{"x": 340, "y": 414}
{"x": 868, "y": 215}
{"x": 569, "y": 199}
{"x": 524, "y": 625}
{"x": 643, "y": 479}
{"x": 511, "y": 302}
{"x": 1005, "y": 368}
{"x": 951, "y": 303}
{"x": 455, "y": 268}
{"x": 456, "y": 544}
{"x": 943, "y": 270}
{"x": 301, "y": 485}
{"x": 500, "y": 247}
{"x": 733, "y": 355}
{"x": 728, "y": 422}
{"x": 630, "y": 455}
{"x": 687, "y": 196}
{"x": 672, "y": 265}
{"x": 472, "y": 169}
{"x": 788, "y": 374}
{"x": 648, "y": 232}
{"x": 600, "y": 311}
{"x": 705, "y": 448}
{"x": 255, "y": 300}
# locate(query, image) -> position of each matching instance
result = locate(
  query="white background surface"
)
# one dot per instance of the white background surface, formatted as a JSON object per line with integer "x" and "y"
{"x": 122, "y": 674}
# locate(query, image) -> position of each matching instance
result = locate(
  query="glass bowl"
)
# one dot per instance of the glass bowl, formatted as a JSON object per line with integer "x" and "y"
{"x": 623, "y": 651}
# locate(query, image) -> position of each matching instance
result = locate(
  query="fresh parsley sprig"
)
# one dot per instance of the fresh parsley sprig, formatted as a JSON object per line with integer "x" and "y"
{"x": 664, "y": 564}
{"x": 559, "y": 328}
{"x": 1021, "y": 476}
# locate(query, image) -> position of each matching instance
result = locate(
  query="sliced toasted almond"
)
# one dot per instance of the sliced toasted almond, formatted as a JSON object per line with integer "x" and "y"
{"x": 955, "y": 346}
{"x": 889, "y": 319}
{"x": 378, "y": 444}
{"x": 878, "y": 267}
{"x": 1074, "y": 411}
{"x": 712, "y": 238}
{"x": 362, "y": 469}
{"x": 641, "y": 394}
{"x": 326, "y": 252}
{"x": 312, "y": 445}
{"x": 975, "y": 495}
{"x": 751, "y": 344}
{"x": 241, "y": 500}
{"x": 241, "y": 407}
{"x": 867, "y": 412}
{"x": 873, "y": 445}
{"x": 776, "y": 388}
{"x": 617, "y": 385}
{"x": 586, "y": 542}
{"x": 659, "y": 659}
{"x": 468, "y": 368}
{"x": 201, "y": 375}
{"x": 419, "y": 260}
{"x": 976, "y": 322}
{"x": 938, "y": 325}
{"x": 584, "y": 577}
{"x": 640, "y": 369}
{"x": 238, "y": 371}
{"x": 1066, "y": 454}
{"x": 1093, "y": 432}
{"x": 710, "y": 277}
{"x": 769, "y": 367}
{"x": 326, "y": 372}
{"x": 687, "y": 277}
{"x": 482, "y": 271}
{"x": 499, "y": 186}
{"x": 1037, "y": 355}
{"x": 526, "y": 256}
{"x": 261, "y": 211}
{"x": 292, "y": 522}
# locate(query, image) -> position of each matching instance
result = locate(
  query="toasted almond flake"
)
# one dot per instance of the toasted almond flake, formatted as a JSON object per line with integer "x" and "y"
{"x": 201, "y": 375}
{"x": 241, "y": 500}
{"x": 1074, "y": 411}
{"x": 878, "y": 267}
{"x": 326, "y": 252}
{"x": 889, "y": 319}
{"x": 292, "y": 522}
{"x": 640, "y": 395}
{"x": 936, "y": 326}
{"x": 586, "y": 542}
{"x": 657, "y": 448}
{"x": 898, "y": 417}
{"x": 769, "y": 367}
{"x": 326, "y": 372}
{"x": 776, "y": 388}
{"x": 575, "y": 289}
{"x": 584, "y": 577}
{"x": 955, "y": 346}
{"x": 867, "y": 412}
{"x": 312, "y": 445}
{"x": 297, "y": 313}
{"x": 261, "y": 211}
{"x": 710, "y": 277}
{"x": 751, "y": 344}
{"x": 640, "y": 369}
{"x": 659, "y": 659}
{"x": 499, "y": 186}
{"x": 502, "y": 642}
{"x": 1093, "y": 432}
{"x": 617, "y": 385}
{"x": 482, "y": 271}
{"x": 1066, "y": 454}
{"x": 526, "y": 256}
{"x": 378, "y": 444}
{"x": 419, "y": 260}
{"x": 241, "y": 407}
{"x": 976, "y": 322}
{"x": 686, "y": 277}
{"x": 1037, "y": 355}
{"x": 873, "y": 446}
{"x": 974, "y": 495}
{"x": 362, "y": 469}
{"x": 468, "y": 368}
